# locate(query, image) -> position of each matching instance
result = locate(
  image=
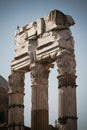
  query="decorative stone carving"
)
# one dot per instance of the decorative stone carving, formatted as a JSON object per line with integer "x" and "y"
{"x": 66, "y": 64}
{"x": 54, "y": 42}
{"x": 65, "y": 39}
{"x": 16, "y": 82}
{"x": 39, "y": 78}
{"x": 38, "y": 44}
{"x": 67, "y": 80}
{"x": 51, "y": 31}
{"x": 39, "y": 74}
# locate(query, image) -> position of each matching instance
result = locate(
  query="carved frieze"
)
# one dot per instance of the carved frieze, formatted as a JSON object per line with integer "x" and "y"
{"x": 55, "y": 39}
{"x": 48, "y": 35}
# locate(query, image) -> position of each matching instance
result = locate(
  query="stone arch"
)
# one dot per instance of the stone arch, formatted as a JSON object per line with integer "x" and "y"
{"x": 38, "y": 45}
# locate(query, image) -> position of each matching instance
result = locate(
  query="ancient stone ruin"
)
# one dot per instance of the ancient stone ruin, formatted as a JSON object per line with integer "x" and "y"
{"x": 38, "y": 45}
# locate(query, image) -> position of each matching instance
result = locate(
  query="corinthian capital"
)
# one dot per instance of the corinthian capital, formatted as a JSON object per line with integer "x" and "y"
{"x": 16, "y": 82}
{"x": 66, "y": 64}
{"x": 39, "y": 73}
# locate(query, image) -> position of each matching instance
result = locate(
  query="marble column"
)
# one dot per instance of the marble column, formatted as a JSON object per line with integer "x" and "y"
{"x": 39, "y": 112}
{"x": 16, "y": 101}
{"x": 67, "y": 113}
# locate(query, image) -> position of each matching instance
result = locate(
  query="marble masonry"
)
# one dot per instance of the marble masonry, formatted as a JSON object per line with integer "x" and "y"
{"x": 38, "y": 45}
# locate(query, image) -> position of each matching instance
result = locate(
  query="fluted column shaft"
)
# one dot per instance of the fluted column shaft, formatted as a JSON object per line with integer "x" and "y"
{"x": 67, "y": 113}
{"x": 16, "y": 103}
{"x": 39, "y": 112}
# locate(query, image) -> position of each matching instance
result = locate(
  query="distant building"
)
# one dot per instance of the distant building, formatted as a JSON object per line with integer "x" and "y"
{"x": 3, "y": 102}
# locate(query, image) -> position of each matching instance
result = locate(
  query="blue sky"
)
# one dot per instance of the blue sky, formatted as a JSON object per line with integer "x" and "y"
{"x": 15, "y": 13}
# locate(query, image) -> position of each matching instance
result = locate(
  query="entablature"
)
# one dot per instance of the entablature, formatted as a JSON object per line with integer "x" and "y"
{"x": 43, "y": 40}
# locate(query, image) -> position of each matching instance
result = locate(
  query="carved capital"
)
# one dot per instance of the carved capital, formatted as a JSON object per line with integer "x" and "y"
{"x": 16, "y": 82}
{"x": 66, "y": 63}
{"x": 39, "y": 74}
{"x": 67, "y": 80}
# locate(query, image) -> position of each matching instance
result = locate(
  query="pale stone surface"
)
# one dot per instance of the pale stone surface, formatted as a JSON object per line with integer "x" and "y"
{"x": 40, "y": 26}
{"x": 66, "y": 64}
{"x": 46, "y": 32}
{"x": 16, "y": 82}
{"x": 31, "y": 32}
{"x": 39, "y": 78}
{"x": 16, "y": 99}
{"x": 38, "y": 44}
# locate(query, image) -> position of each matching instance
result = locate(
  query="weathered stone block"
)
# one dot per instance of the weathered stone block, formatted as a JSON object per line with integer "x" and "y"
{"x": 40, "y": 26}
{"x": 23, "y": 49}
{"x": 31, "y": 33}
